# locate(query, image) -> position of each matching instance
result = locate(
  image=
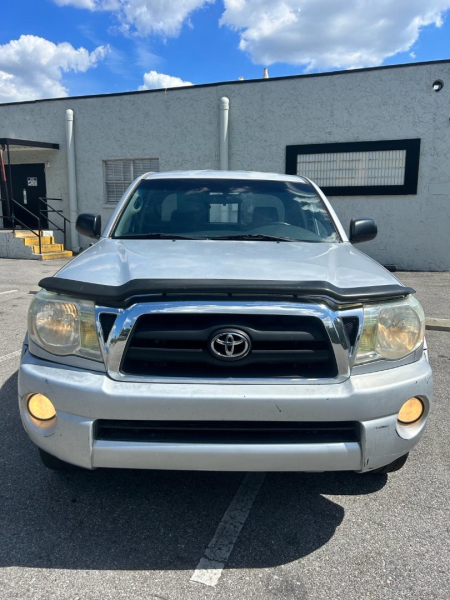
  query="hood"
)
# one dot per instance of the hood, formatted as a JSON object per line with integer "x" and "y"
{"x": 115, "y": 263}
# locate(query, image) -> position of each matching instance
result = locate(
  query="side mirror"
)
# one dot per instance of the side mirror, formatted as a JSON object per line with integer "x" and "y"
{"x": 89, "y": 225}
{"x": 362, "y": 230}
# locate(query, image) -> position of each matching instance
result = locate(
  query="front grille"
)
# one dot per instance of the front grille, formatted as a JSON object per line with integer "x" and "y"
{"x": 351, "y": 325}
{"x": 179, "y": 345}
{"x": 107, "y": 321}
{"x": 226, "y": 432}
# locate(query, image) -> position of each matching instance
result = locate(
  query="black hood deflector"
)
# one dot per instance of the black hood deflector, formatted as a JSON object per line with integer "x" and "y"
{"x": 116, "y": 296}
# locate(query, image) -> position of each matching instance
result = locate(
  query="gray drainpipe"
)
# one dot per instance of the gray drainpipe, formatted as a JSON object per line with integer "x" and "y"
{"x": 73, "y": 199}
{"x": 224, "y": 112}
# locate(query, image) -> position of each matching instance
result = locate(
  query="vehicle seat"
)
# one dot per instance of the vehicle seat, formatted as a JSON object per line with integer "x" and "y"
{"x": 183, "y": 220}
{"x": 263, "y": 215}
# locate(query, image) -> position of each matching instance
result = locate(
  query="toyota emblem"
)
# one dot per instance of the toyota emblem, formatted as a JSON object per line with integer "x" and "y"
{"x": 230, "y": 345}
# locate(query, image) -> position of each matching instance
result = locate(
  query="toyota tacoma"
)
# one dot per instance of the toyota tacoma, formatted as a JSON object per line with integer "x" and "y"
{"x": 225, "y": 321}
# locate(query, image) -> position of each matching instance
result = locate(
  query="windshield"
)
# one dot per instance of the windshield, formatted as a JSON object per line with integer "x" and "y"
{"x": 226, "y": 209}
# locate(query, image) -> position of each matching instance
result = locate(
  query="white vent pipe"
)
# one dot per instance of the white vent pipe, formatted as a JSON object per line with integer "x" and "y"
{"x": 73, "y": 200}
{"x": 224, "y": 112}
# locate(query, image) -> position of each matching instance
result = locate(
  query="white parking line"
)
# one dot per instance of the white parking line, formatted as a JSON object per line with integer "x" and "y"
{"x": 9, "y": 292}
{"x": 210, "y": 567}
{"x": 9, "y": 356}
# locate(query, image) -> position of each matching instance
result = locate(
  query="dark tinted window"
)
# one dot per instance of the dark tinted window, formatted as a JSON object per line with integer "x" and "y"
{"x": 214, "y": 208}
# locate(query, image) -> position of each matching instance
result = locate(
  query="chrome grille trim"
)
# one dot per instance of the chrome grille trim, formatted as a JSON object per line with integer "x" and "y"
{"x": 114, "y": 347}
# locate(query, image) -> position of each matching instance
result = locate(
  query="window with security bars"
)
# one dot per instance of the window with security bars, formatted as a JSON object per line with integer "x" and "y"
{"x": 354, "y": 168}
{"x": 120, "y": 173}
{"x": 388, "y": 167}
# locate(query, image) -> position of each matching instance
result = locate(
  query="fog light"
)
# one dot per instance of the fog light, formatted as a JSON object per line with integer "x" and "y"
{"x": 41, "y": 408}
{"x": 411, "y": 411}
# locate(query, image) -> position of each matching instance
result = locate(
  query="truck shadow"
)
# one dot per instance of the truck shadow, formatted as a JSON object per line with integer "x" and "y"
{"x": 154, "y": 520}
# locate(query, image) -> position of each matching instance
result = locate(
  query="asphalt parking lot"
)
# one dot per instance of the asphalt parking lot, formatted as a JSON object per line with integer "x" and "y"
{"x": 137, "y": 534}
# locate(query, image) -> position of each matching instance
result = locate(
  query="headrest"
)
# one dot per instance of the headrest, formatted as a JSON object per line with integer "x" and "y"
{"x": 183, "y": 219}
{"x": 264, "y": 214}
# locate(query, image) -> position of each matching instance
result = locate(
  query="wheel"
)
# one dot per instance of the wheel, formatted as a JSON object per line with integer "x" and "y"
{"x": 396, "y": 465}
{"x": 54, "y": 463}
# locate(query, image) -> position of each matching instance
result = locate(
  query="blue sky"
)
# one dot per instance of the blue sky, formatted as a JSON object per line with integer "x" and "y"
{"x": 201, "y": 41}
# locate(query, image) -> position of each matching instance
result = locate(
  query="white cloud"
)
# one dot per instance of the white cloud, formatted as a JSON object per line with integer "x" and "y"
{"x": 77, "y": 3}
{"x": 329, "y": 33}
{"x": 154, "y": 80}
{"x": 163, "y": 17}
{"x": 32, "y": 67}
{"x": 158, "y": 16}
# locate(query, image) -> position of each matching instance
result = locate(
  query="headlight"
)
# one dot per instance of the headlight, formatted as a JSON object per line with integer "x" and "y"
{"x": 63, "y": 325}
{"x": 391, "y": 331}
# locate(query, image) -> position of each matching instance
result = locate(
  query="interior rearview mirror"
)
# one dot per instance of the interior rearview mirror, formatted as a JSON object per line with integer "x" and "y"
{"x": 362, "y": 230}
{"x": 89, "y": 225}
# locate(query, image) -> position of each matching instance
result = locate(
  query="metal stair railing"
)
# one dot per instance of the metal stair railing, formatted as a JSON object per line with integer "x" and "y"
{"x": 13, "y": 218}
{"x": 48, "y": 208}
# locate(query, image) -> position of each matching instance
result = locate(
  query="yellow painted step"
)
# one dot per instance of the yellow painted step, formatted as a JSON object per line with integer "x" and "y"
{"x": 48, "y": 248}
{"x": 34, "y": 241}
{"x": 51, "y": 255}
{"x": 24, "y": 233}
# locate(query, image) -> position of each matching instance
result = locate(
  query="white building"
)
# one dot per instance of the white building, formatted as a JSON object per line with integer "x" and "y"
{"x": 377, "y": 140}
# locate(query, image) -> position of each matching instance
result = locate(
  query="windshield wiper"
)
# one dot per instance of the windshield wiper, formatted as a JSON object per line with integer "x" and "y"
{"x": 259, "y": 237}
{"x": 157, "y": 236}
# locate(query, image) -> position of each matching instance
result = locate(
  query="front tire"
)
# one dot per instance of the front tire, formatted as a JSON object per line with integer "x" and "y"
{"x": 54, "y": 463}
{"x": 396, "y": 465}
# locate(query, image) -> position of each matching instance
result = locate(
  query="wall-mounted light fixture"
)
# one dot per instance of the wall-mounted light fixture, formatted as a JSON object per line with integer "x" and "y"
{"x": 438, "y": 85}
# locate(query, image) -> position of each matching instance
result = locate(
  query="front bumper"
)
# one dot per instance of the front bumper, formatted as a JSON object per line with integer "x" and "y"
{"x": 81, "y": 397}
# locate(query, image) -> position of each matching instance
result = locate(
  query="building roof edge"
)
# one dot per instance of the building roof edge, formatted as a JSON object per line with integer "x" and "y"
{"x": 233, "y": 82}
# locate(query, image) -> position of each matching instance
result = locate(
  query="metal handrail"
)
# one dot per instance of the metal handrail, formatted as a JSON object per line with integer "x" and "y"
{"x": 50, "y": 208}
{"x": 14, "y": 218}
{"x": 44, "y": 200}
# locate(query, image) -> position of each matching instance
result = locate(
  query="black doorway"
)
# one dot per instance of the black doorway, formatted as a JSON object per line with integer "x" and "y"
{"x": 28, "y": 185}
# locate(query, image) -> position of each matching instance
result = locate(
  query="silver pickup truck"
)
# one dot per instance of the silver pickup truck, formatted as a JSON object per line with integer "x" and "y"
{"x": 225, "y": 321}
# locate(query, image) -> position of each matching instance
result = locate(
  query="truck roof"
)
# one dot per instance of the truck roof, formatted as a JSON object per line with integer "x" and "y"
{"x": 211, "y": 174}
